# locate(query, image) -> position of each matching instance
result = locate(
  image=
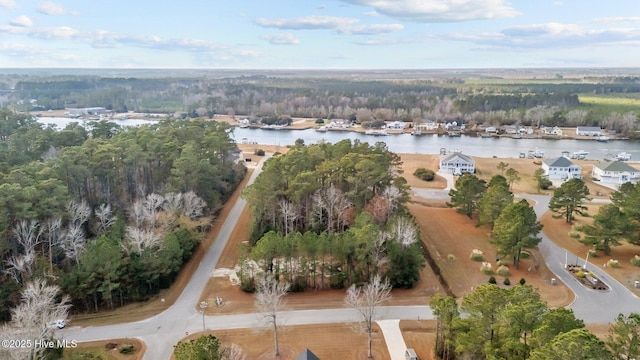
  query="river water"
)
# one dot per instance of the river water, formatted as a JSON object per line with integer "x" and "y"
{"x": 431, "y": 144}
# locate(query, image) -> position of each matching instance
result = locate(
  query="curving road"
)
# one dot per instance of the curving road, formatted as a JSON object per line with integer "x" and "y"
{"x": 164, "y": 330}
{"x": 592, "y": 306}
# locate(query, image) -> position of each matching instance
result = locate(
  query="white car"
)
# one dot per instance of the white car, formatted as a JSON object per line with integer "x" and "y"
{"x": 60, "y": 324}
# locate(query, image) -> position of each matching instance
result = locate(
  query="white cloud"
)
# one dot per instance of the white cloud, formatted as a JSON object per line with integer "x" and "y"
{"x": 306, "y": 22}
{"x": 617, "y": 20}
{"x": 342, "y": 25}
{"x": 8, "y": 4}
{"x": 60, "y": 32}
{"x": 51, "y": 8}
{"x": 552, "y": 35}
{"x": 281, "y": 39}
{"x": 375, "y": 29}
{"x": 383, "y": 42}
{"x": 440, "y": 10}
{"x": 21, "y": 21}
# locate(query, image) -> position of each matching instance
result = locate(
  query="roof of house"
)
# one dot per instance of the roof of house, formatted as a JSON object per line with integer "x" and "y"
{"x": 616, "y": 166}
{"x": 588, "y": 128}
{"x": 306, "y": 354}
{"x": 462, "y": 156}
{"x": 559, "y": 162}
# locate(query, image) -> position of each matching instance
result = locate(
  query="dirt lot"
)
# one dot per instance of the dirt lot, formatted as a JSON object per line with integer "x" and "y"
{"x": 107, "y": 350}
{"x": 411, "y": 162}
{"x": 421, "y": 336}
{"x": 332, "y": 341}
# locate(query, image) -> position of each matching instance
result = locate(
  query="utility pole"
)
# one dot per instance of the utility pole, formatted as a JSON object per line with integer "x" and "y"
{"x": 203, "y": 307}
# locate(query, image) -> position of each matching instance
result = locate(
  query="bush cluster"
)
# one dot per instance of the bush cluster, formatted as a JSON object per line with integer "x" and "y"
{"x": 635, "y": 261}
{"x": 424, "y": 174}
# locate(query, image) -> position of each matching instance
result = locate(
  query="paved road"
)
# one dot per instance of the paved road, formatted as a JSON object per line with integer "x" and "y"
{"x": 592, "y": 306}
{"x": 162, "y": 331}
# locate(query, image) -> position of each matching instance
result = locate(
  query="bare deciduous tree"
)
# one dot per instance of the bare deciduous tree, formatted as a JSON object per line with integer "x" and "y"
{"x": 137, "y": 240}
{"x": 173, "y": 203}
{"x": 193, "y": 206}
{"x": 405, "y": 231}
{"x": 27, "y": 234}
{"x": 290, "y": 212}
{"x": 137, "y": 213}
{"x": 34, "y": 317}
{"x": 105, "y": 217}
{"x": 269, "y": 302}
{"x": 20, "y": 267}
{"x": 79, "y": 212}
{"x": 331, "y": 203}
{"x": 365, "y": 300}
{"x": 379, "y": 250}
{"x": 73, "y": 241}
{"x": 54, "y": 237}
{"x": 232, "y": 352}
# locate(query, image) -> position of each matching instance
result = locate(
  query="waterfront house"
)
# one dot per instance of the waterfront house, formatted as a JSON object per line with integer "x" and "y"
{"x": 491, "y": 129}
{"x": 615, "y": 172}
{"x": 396, "y": 125}
{"x": 547, "y": 130}
{"x": 427, "y": 125}
{"x": 588, "y": 131}
{"x": 457, "y": 163}
{"x": 561, "y": 168}
{"x": 511, "y": 130}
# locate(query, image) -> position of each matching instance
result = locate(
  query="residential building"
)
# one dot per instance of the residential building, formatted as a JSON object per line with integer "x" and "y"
{"x": 561, "y": 168}
{"x": 491, "y": 129}
{"x": 588, "y": 131}
{"x": 427, "y": 125}
{"x": 457, "y": 163}
{"x": 615, "y": 172}
{"x": 396, "y": 125}
{"x": 551, "y": 130}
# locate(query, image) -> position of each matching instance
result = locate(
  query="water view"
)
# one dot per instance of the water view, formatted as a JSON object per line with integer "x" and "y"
{"x": 431, "y": 144}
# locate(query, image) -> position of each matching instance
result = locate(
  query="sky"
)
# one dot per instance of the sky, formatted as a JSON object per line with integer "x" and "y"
{"x": 319, "y": 34}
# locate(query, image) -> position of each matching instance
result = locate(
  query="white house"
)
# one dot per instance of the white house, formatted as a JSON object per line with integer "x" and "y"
{"x": 457, "y": 163}
{"x": 428, "y": 125}
{"x": 615, "y": 172}
{"x": 588, "y": 131}
{"x": 561, "y": 168}
{"x": 511, "y": 129}
{"x": 552, "y": 130}
{"x": 396, "y": 125}
{"x": 491, "y": 129}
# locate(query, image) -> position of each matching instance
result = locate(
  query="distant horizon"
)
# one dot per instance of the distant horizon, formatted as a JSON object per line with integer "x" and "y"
{"x": 319, "y": 34}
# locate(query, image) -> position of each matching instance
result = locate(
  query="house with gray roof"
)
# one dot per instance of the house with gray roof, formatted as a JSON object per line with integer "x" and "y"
{"x": 561, "y": 168}
{"x": 306, "y": 354}
{"x": 615, "y": 172}
{"x": 588, "y": 131}
{"x": 457, "y": 163}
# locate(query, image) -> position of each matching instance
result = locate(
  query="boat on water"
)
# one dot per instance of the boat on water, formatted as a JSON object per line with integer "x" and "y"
{"x": 580, "y": 155}
{"x": 376, "y": 132}
{"x": 602, "y": 138}
{"x": 536, "y": 153}
{"x": 322, "y": 129}
{"x": 623, "y": 156}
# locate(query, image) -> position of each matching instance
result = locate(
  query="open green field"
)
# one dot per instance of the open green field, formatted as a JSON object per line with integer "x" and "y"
{"x": 605, "y": 104}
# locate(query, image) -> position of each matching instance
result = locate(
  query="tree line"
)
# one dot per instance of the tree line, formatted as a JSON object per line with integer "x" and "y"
{"x": 327, "y": 216}
{"x": 515, "y": 323}
{"x": 107, "y": 214}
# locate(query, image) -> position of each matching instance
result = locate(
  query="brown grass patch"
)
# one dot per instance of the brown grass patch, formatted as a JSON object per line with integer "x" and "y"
{"x": 411, "y": 162}
{"x": 328, "y": 341}
{"x": 109, "y": 352}
{"x": 420, "y": 336}
{"x": 446, "y": 232}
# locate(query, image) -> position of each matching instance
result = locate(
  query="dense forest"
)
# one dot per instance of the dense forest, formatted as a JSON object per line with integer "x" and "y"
{"x": 472, "y": 98}
{"x": 327, "y": 216}
{"x": 107, "y": 214}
